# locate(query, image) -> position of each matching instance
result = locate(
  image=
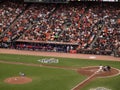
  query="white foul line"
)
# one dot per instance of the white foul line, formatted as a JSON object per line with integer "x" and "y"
{"x": 85, "y": 80}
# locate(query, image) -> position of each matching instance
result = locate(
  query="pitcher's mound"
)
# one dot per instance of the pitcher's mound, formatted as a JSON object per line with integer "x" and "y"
{"x": 18, "y": 80}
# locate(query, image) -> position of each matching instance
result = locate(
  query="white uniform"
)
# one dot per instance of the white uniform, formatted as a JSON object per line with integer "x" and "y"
{"x": 21, "y": 74}
{"x": 100, "y": 68}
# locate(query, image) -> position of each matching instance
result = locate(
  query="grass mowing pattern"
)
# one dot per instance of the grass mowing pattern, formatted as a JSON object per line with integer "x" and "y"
{"x": 53, "y": 79}
{"x": 110, "y": 83}
{"x": 62, "y": 61}
{"x": 43, "y": 78}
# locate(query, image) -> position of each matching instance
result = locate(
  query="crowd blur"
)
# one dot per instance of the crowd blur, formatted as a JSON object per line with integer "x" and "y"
{"x": 41, "y": 15}
{"x": 89, "y": 25}
{"x": 109, "y": 38}
{"x": 69, "y": 23}
{"x": 8, "y": 13}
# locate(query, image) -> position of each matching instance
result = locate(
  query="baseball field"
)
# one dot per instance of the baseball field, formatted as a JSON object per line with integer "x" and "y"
{"x": 44, "y": 73}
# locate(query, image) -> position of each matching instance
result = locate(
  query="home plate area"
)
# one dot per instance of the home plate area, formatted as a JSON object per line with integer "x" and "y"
{"x": 88, "y": 71}
{"x": 100, "y": 88}
{"x": 92, "y": 73}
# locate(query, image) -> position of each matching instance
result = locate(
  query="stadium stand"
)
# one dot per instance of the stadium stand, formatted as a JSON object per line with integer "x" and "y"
{"x": 9, "y": 11}
{"x": 83, "y": 27}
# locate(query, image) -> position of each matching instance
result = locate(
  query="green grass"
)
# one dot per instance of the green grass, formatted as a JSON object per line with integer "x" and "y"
{"x": 43, "y": 78}
{"x": 110, "y": 83}
{"x": 62, "y": 61}
{"x": 53, "y": 79}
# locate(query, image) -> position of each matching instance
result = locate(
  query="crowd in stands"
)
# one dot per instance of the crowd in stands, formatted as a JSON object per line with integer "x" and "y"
{"x": 33, "y": 14}
{"x": 90, "y": 26}
{"x": 110, "y": 34}
{"x": 69, "y": 23}
{"x": 8, "y": 13}
{"x": 41, "y": 14}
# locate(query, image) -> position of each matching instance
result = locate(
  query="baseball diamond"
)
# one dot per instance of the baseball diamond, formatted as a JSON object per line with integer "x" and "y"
{"x": 59, "y": 44}
{"x": 89, "y": 71}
